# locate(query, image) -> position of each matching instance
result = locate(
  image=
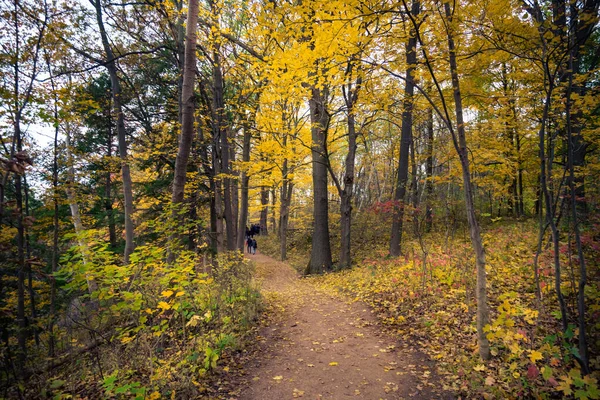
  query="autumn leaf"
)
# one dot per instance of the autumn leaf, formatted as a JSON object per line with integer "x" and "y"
{"x": 532, "y": 372}
{"x": 535, "y": 355}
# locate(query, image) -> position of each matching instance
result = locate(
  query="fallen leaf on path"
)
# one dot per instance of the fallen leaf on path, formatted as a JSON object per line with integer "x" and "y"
{"x": 333, "y": 363}
{"x": 278, "y": 378}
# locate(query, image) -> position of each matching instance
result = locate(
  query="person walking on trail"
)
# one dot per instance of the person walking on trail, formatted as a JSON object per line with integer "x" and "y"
{"x": 254, "y": 246}
{"x": 249, "y": 244}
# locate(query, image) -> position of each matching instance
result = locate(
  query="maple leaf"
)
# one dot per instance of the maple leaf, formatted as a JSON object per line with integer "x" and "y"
{"x": 535, "y": 355}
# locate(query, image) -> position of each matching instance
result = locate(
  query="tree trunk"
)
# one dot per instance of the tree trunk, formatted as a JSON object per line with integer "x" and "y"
{"x": 222, "y": 141}
{"x": 21, "y": 321}
{"x": 121, "y": 133}
{"x": 55, "y": 225}
{"x": 264, "y": 210}
{"x": 429, "y": 173}
{"x": 481, "y": 290}
{"x": 75, "y": 214}
{"x": 112, "y": 232}
{"x": 235, "y": 198}
{"x": 273, "y": 203}
{"x": 284, "y": 209}
{"x": 572, "y": 142}
{"x": 245, "y": 179}
{"x": 347, "y": 193}
{"x": 414, "y": 187}
{"x": 405, "y": 139}
{"x": 188, "y": 104}
{"x": 320, "y": 257}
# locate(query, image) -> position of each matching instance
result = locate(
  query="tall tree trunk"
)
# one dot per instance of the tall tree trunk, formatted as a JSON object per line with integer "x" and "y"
{"x": 245, "y": 179}
{"x": 347, "y": 193}
{"x": 264, "y": 210}
{"x": 32, "y": 302}
{"x": 284, "y": 205}
{"x": 405, "y": 139}
{"x": 188, "y": 106}
{"x": 273, "y": 210}
{"x": 414, "y": 187}
{"x": 481, "y": 290}
{"x": 284, "y": 217}
{"x": 235, "y": 198}
{"x": 222, "y": 141}
{"x": 180, "y": 40}
{"x": 429, "y": 173}
{"x": 583, "y": 356}
{"x": 55, "y": 225}
{"x": 121, "y": 133}
{"x": 320, "y": 257}
{"x": 210, "y": 166}
{"x": 112, "y": 232}
{"x": 21, "y": 321}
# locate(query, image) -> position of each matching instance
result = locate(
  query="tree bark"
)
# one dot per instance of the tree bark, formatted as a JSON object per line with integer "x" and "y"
{"x": 320, "y": 257}
{"x": 222, "y": 141}
{"x": 188, "y": 107}
{"x": 112, "y": 232}
{"x": 347, "y": 193}
{"x": 474, "y": 230}
{"x": 75, "y": 214}
{"x": 245, "y": 180}
{"x": 235, "y": 198}
{"x": 121, "y": 133}
{"x": 264, "y": 210}
{"x": 429, "y": 173}
{"x": 405, "y": 140}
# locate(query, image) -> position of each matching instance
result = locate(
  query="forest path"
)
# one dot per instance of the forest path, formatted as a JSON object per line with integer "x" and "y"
{"x": 319, "y": 347}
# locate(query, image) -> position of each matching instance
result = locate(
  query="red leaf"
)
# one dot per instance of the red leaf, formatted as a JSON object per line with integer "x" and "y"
{"x": 532, "y": 372}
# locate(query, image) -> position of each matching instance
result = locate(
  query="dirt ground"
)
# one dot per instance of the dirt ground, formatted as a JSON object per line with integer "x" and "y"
{"x": 320, "y": 347}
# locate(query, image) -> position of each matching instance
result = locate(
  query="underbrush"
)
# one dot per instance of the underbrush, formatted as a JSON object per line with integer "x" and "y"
{"x": 146, "y": 330}
{"x": 428, "y": 297}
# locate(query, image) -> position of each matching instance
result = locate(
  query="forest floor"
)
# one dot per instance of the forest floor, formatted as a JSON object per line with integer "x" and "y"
{"x": 316, "y": 346}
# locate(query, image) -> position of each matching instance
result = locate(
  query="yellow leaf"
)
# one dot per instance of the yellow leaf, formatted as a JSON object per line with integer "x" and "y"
{"x": 278, "y": 378}
{"x": 167, "y": 293}
{"x": 193, "y": 321}
{"x": 333, "y": 364}
{"x": 163, "y": 305}
{"x": 178, "y": 294}
{"x": 154, "y": 396}
{"x": 126, "y": 339}
{"x": 479, "y": 367}
{"x": 535, "y": 355}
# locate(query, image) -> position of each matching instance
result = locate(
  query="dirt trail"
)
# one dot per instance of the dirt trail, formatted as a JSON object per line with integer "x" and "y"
{"x": 318, "y": 347}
